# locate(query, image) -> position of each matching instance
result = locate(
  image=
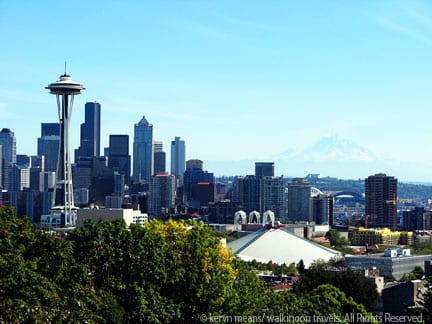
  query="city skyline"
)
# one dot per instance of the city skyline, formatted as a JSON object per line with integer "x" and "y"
{"x": 236, "y": 81}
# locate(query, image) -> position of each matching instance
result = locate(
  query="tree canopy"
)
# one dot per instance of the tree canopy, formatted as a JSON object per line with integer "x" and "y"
{"x": 39, "y": 279}
{"x": 163, "y": 272}
{"x": 352, "y": 283}
{"x": 336, "y": 239}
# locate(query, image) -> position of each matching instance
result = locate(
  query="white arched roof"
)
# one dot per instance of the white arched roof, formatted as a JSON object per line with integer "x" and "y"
{"x": 279, "y": 246}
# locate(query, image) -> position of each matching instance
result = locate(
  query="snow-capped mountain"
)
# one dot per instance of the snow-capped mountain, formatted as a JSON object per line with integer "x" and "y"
{"x": 331, "y": 148}
{"x": 328, "y": 156}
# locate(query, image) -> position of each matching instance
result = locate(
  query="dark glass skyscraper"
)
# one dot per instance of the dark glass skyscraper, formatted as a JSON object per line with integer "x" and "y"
{"x": 142, "y": 152}
{"x": 199, "y": 185}
{"x": 247, "y": 192}
{"x": 178, "y": 159}
{"x": 299, "y": 194}
{"x": 119, "y": 159}
{"x": 48, "y": 145}
{"x": 50, "y": 129}
{"x": 159, "y": 158}
{"x": 321, "y": 209}
{"x": 90, "y": 132}
{"x": 264, "y": 169}
{"x": 8, "y": 155}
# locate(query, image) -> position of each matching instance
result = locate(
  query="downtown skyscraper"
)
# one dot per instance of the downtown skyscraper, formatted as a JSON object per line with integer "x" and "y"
{"x": 272, "y": 196}
{"x": 178, "y": 159}
{"x": 199, "y": 185}
{"x": 159, "y": 157}
{"x": 48, "y": 145}
{"x": 142, "y": 152}
{"x": 246, "y": 190}
{"x": 8, "y": 156}
{"x": 118, "y": 156}
{"x": 299, "y": 194}
{"x": 380, "y": 195}
{"x": 162, "y": 194}
{"x": 90, "y": 132}
{"x": 264, "y": 169}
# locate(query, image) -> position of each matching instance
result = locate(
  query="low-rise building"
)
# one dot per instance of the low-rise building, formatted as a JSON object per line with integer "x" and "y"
{"x": 128, "y": 215}
{"x": 403, "y": 298}
{"x": 391, "y": 267}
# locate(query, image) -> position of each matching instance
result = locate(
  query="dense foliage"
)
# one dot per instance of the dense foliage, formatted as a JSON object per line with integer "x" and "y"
{"x": 40, "y": 281}
{"x": 336, "y": 239}
{"x": 416, "y": 274}
{"x": 277, "y": 269}
{"x": 165, "y": 269}
{"x": 352, "y": 283}
{"x": 164, "y": 272}
{"x": 422, "y": 247}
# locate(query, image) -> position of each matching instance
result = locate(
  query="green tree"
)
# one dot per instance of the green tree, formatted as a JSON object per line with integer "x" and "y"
{"x": 352, "y": 283}
{"x": 417, "y": 273}
{"x": 164, "y": 271}
{"x": 336, "y": 239}
{"x": 249, "y": 295}
{"x": 39, "y": 280}
{"x": 287, "y": 302}
{"x": 327, "y": 300}
{"x": 287, "y": 270}
{"x": 326, "y": 303}
{"x": 301, "y": 267}
{"x": 408, "y": 277}
{"x": 422, "y": 247}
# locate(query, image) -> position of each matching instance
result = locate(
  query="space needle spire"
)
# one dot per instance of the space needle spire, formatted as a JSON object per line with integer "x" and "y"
{"x": 63, "y": 202}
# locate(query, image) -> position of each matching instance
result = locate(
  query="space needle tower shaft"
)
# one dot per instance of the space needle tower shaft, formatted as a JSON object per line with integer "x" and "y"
{"x": 63, "y": 202}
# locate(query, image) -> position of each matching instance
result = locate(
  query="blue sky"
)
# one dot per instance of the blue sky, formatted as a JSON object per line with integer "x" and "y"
{"x": 234, "y": 79}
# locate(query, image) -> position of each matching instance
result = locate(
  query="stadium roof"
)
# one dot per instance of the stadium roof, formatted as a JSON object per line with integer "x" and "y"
{"x": 280, "y": 246}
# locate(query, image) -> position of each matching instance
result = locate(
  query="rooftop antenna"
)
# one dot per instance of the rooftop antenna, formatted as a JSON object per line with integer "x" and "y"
{"x": 65, "y": 68}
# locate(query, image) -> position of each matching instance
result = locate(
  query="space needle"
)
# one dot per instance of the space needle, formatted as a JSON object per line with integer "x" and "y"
{"x": 63, "y": 202}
